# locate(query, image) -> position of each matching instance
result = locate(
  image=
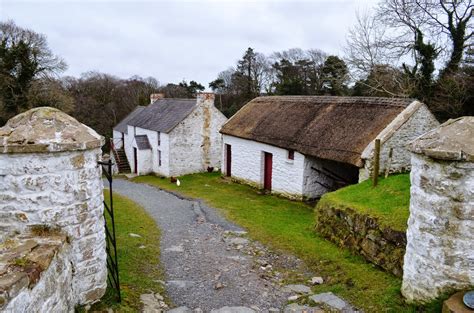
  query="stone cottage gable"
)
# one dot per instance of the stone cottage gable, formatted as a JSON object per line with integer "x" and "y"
{"x": 332, "y": 128}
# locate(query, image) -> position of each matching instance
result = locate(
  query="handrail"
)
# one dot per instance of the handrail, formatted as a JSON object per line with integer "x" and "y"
{"x": 114, "y": 151}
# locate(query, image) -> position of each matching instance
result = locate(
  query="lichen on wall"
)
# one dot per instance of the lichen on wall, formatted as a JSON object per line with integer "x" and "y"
{"x": 362, "y": 234}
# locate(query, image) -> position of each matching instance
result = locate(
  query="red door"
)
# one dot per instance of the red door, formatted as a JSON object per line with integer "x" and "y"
{"x": 135, "y": 160}
{"x": 228, "y": 160}
{"x": 267, "y": 178}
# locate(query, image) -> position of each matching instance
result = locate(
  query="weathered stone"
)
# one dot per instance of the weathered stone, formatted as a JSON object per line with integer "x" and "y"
{"x": 440, "y": 235}
{"x": 238, "y": 241}
{"x": 317, "y": 280}
{"x": 297, "y": 288}
{"x": 455, "y": 304}
{"x": 233, "y": 309}
{"x": 296, "y": 308}
{"x": 181, "y": 309}
{"x": 332, "y": 301}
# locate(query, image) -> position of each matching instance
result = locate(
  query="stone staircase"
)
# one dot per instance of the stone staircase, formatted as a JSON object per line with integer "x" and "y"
{"x": 122, "y": 162}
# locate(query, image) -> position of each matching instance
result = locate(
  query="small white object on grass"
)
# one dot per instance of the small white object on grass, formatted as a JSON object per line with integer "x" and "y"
{"x": 178, "y": 183}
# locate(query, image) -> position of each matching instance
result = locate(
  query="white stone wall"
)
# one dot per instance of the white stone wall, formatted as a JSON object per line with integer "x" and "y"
{"x": 52, "y": 293}
{"x": 64, "y": 190}
{"x": 196, "y": 143}
{"x": 405, "y": 128}
{"x": 315, "y": 183}
{"x": 117, "y": 139}
{"x": 248, "y": 160}
{"x": 440, "y": 251}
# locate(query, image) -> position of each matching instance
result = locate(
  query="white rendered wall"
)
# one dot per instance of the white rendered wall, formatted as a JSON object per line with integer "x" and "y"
{"x": 420, "y": 122}
{"x": 247, "y": 164}
{"x": 117, "y": 139}
{"x": 439, "y": 255}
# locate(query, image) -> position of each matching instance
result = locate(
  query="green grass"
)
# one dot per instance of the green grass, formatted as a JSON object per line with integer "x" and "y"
{"x": 389, "y": 201}
{"x": 139, "y": 269}
{"x": 288, "y": 225}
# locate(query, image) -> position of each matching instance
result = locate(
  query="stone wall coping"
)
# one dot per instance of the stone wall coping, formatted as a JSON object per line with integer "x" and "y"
{"x": 23, "y": 258}
{"x": 46, "y": 129}
{"x": 452, "y": 140}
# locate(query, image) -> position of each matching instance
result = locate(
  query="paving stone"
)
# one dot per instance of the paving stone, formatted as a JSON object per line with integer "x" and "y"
{"x": 296, "y": 308}
{"x": 233, "y": 309}
{"x": 332, "y": 301}
{"x": 297, "y": 288}
{"x": 181, "y": 309}
{"x": 455, "y": 304}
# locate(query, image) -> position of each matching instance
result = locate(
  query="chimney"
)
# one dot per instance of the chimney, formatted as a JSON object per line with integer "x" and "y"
{"x": 156, "y": 96}
{"x": 205, "y": 98}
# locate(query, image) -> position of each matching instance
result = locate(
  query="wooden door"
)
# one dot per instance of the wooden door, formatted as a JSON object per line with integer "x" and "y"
{"x": 228, "y": 160}
{"x": 135, "y": 160}
{"x": 267, "y": 171}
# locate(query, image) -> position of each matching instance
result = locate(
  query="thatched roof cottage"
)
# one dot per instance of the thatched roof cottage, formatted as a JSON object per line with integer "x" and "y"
{"x": 305, "y": 146}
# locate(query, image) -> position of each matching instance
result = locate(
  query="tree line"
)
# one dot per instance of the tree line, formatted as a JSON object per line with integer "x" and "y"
{"x": 403, "y": 48}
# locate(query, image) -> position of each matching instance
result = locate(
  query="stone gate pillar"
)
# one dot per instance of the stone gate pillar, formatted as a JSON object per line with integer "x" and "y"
{"x": 49, "y": 176}
{"x": 440, "y": 237}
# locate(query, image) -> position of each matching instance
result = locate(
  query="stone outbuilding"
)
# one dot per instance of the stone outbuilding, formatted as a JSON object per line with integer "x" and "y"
{"x": 51, "y": 213}
{"x": 305, "y": 146}
{"x": 171, "y": 137}
{"x": 439, "y": 255}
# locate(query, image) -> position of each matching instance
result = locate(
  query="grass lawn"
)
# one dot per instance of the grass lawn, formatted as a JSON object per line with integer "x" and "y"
{"x": 288, "y": 225}
{"x": 389, "y": 201}
{"x": 139, "y": 269}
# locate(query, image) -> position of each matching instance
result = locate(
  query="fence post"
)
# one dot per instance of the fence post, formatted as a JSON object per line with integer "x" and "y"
{"x": 375, "y": 173}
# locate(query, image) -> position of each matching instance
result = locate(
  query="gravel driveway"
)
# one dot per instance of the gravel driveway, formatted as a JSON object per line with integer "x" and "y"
{"x": 206, "y": 260}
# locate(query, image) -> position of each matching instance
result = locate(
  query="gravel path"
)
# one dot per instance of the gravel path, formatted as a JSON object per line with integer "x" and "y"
{"x": 207, "y": 260}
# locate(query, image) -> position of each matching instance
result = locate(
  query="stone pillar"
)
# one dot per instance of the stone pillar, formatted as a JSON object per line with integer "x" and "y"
{"x": 49, "y": 176}
{"x": 440, "y": 237}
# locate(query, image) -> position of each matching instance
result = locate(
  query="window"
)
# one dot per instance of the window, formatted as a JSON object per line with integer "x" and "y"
{"x": 159, "y": 157}
{"x": 159, "y": 138}
{"x": 291, "y": 154}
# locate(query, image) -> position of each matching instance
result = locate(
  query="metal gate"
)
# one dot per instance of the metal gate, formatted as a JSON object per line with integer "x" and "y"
{"x": 111, "y": 243}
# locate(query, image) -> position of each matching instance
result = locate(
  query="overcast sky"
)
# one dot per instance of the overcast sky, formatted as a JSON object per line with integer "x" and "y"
{"x": 176, "y": 40}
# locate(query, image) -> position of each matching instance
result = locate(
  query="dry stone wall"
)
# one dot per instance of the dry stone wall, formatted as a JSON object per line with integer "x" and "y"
{"x": 440, "y": 249}
{"x": 363, "y": 235}
{"x": 49, "y": 176}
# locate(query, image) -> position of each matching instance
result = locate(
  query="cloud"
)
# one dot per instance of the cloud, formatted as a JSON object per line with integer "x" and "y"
{"x": 175, "y": 40}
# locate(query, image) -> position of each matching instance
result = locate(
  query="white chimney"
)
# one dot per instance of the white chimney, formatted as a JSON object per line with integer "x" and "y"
{"x": 156, "y": 96}
{"x": 205, "y": 98}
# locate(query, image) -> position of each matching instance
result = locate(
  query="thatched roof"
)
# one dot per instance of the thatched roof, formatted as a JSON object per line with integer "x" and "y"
{"x": 333, "y": 128}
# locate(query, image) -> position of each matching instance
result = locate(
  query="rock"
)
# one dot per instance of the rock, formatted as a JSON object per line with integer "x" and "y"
{"x": 142, "y": 247}
{"x": 152, "y": 303}
{"x": 332, "y": 301}
{"x": 218, "y": 286}
{"x": 273, "y": 310}
{"x": 317, "y": 281}
{"x": 455, "y": 304}
{"x": 181, "y": 309}
{"x": 178, "y": 248}
{"x": 293, "y": 298}
{"x": 134, "y": 235}
{"x": 238, "y": 241}
{"x": 296, "y": 308}
{"x": 233, "y": 309}
{"x": 297, "y": 288}
{"x": 198, "y": 310}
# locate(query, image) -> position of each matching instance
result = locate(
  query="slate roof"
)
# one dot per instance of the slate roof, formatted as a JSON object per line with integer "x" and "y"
{"x": 163, "y": 115}
{"x": 333, "y": 128}
{"x": 142, "y": 142}
{"x": 122, "y": 126}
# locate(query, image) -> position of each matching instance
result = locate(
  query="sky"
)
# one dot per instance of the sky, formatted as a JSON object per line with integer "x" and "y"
{"x": 176, "y": 40}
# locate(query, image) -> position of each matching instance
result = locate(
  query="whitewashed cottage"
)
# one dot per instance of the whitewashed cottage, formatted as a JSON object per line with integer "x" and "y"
{"x": 305, "y": 146}
{"x": 170, "y": 137}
